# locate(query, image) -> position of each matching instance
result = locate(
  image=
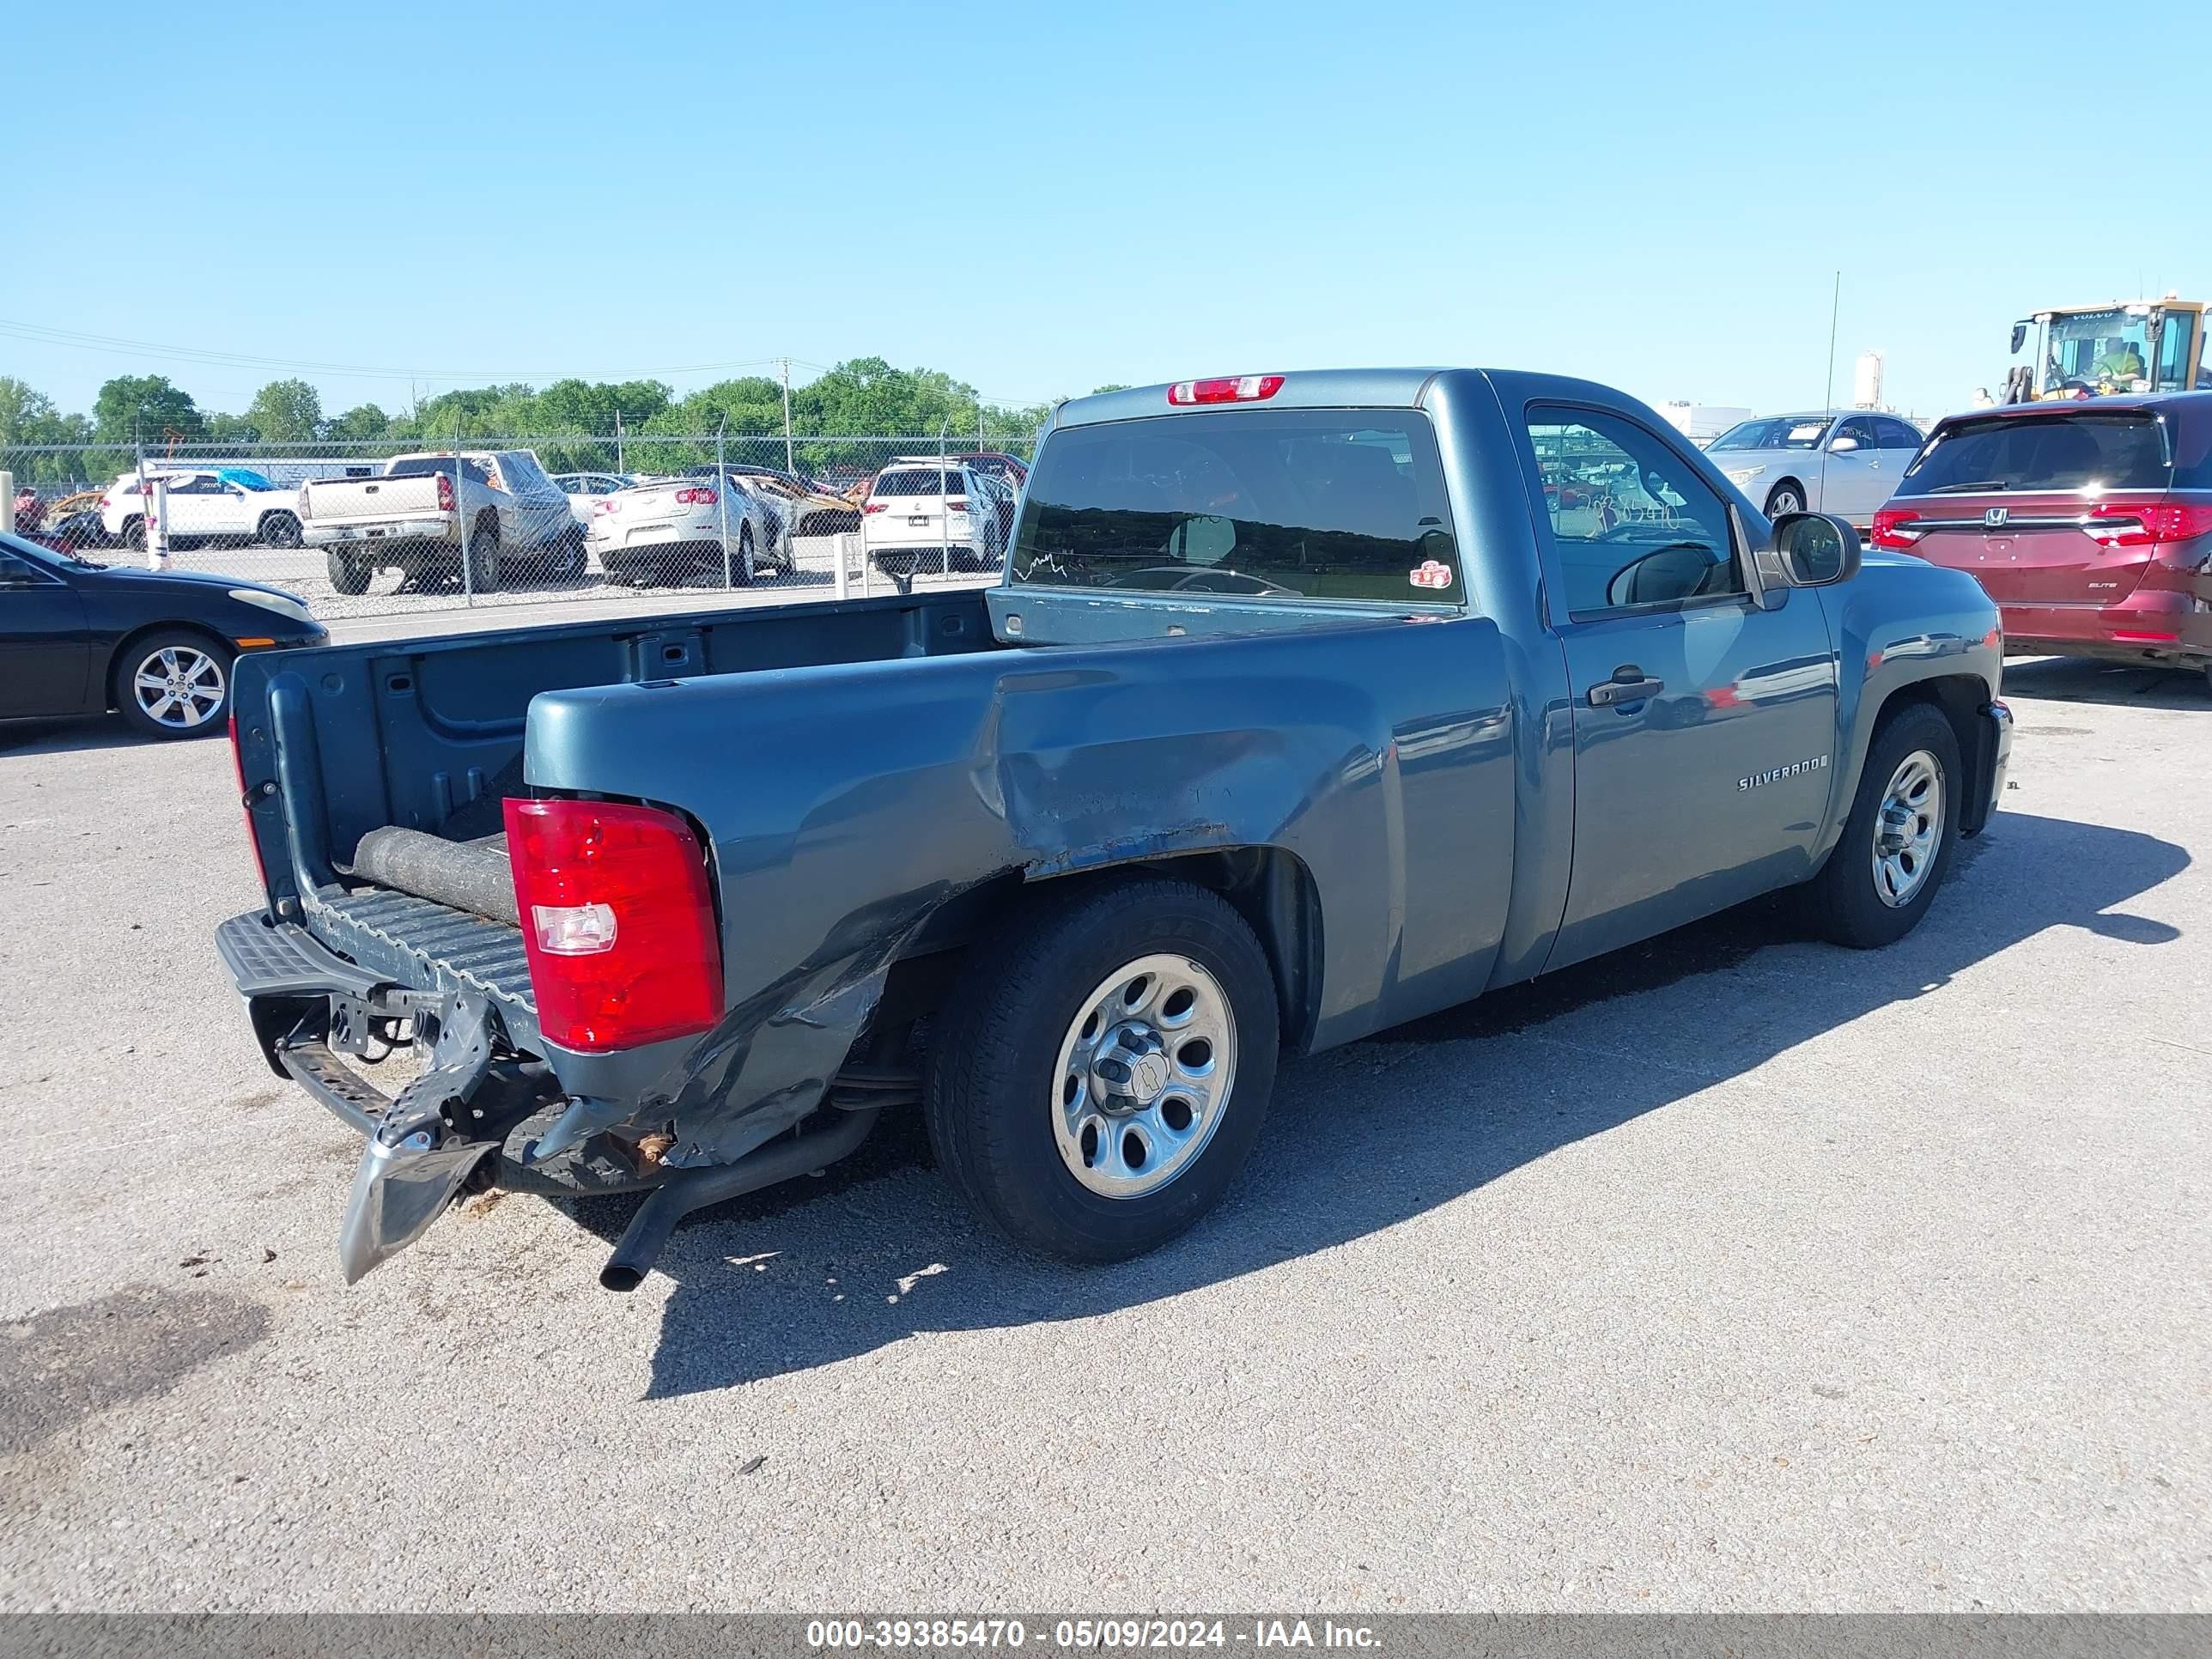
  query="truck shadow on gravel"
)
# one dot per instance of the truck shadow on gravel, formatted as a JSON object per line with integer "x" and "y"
{"x": 879, "y": 1248}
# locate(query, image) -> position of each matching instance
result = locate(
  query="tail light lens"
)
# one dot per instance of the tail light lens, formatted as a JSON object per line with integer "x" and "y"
{"x": 444, "y": 492}
{"x": 1230, "y": 389}
{"x": 875, "y": 506}
{"x": 617, "y": 923}
{"x": 303, "y": 503}
{"x": 2144, "y": 524}
{"x": 956, "y": 503}
{"x": 1892, "y": 528}
{"x": 696, "y": 495}
{"x": 238, "y": 771}
{"x": 606, "y": 504}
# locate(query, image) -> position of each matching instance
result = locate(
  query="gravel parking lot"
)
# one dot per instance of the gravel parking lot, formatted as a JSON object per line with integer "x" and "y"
{"x": 1735, "y": 1273}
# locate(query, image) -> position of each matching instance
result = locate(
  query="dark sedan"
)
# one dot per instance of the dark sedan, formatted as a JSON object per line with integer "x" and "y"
{"x": 81, "y": 638}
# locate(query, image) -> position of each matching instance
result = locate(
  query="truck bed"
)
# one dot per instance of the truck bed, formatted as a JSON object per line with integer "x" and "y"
{"x": 428, "y": 735}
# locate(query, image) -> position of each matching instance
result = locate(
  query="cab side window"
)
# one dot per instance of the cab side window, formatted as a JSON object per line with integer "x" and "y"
{"x": 1891, "y": 433}
{"x": 1860, "y": 430}
{"x": 1634, "y": 524}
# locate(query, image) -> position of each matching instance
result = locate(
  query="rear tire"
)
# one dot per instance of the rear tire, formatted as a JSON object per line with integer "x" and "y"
{"x": 134, "y": 534}
{"x": 279, "y": 530}
{"x": 1016, "y": 1105}
{"x": 348, "y": 575}
{"x": 1883, "y": 874}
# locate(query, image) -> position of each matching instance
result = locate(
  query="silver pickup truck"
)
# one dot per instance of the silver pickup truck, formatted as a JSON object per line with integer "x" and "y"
{"x": 424, "y": 511}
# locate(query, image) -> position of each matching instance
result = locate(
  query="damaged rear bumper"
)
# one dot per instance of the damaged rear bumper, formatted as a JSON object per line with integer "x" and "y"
{"x": 482, "y": 1112}
{"x": 452, "y": 1126}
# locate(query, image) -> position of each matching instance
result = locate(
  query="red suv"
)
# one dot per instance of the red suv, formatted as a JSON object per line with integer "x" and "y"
{"x": 2090, "y": 524}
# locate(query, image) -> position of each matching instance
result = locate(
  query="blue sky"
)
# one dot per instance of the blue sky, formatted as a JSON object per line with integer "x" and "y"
{"x": 1042, "y": 198}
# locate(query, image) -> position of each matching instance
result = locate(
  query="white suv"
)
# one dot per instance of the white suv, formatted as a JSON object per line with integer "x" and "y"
{"x": 924, "y": 515}
{"x": 206, "y": 504}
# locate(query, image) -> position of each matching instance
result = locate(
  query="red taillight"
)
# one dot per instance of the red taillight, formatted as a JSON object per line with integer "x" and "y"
{"x": 2132, "y": 524}
{"x": 238, "y": 771}
{"x": 1230, "y": 389}
{"x": 956, "y": 503}
{"x": 875, "y": 506}
{"x": 606, "y": 504}
{"x": 444, "y": 492}
{"x": 1892, "y": 528}
{"x": 696, "y": 495}
{"x": 617, "y": 923}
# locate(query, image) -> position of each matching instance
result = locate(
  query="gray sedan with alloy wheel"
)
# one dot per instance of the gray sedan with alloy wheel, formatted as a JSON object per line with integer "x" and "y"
{"x": 81, "y": 638}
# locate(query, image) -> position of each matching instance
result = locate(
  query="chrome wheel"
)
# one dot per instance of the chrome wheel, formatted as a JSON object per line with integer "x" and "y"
{"x": 178, "y": 687}
{"x": 1784, "y": 501}
{"x": 1908, "y": 829}
{"x": 1143, "y": 1076}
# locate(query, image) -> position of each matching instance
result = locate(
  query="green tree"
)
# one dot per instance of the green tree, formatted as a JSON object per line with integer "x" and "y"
{"x": 231, "y": 428}
{"x": 287, "y": 412}
{"x": 145, "y": 406}
{"x": 362, "y": 422}
{"x": 27, "y": 418}
{"x": 1116, "y": 385}
{"x": 26, "y": 415}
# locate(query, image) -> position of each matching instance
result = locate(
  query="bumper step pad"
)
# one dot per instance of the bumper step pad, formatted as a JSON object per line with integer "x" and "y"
{"x": 275, "y": 959}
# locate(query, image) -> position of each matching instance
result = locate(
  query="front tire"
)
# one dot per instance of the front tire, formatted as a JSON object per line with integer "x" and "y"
{"x": 1897, "y": 842}
{"x": 176, "y": 683}
{"x": 483, "y": 555}
{"x": 1106, "y": 1068}
{"x": 1785, "y": 498}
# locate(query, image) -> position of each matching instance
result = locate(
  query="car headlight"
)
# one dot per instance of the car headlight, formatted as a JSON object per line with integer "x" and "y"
{"x": 282, "y": 604}
{"x": 1741, "y": 475}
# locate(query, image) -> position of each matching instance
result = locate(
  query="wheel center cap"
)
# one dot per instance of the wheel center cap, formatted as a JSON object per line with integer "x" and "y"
{"x": 1150, "y": 1076}
{"x": 1130, "y": 1069}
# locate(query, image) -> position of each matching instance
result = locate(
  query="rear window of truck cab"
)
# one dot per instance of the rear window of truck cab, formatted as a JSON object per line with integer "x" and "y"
{"x": 2065, "y": 449}
{"x": 1308, "y": 503}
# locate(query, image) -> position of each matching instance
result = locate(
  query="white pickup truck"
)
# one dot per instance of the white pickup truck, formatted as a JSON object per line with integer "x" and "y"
{"x": 424, "y": 511}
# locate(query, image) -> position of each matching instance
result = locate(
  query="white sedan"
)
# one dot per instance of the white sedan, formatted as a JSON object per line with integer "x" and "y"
{"x": 584, "y": 490}
{"x": 689, "y": 529}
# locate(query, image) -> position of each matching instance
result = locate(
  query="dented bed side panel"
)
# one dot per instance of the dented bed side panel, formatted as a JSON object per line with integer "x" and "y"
{"x": 845, "y": 805}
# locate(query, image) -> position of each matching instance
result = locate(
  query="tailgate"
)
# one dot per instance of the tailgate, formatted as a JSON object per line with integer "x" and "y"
{"x": 2044, "y": 549}
{"x": 335, "y": 500}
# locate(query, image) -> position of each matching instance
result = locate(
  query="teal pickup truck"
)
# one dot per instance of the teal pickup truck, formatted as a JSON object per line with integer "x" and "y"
{"x": 1308, "y": 704}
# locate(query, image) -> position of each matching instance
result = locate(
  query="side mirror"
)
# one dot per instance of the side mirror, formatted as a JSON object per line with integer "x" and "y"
{"x": 1843, "y": 445}
{"x": 1815, "y": 550}
{"x": 2019, "y": 337}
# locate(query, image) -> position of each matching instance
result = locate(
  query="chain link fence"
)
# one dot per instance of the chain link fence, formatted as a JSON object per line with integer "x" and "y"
{"x": 378, "y": 528}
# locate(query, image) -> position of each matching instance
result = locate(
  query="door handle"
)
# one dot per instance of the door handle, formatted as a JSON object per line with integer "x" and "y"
{"x": 1628, "y": 685}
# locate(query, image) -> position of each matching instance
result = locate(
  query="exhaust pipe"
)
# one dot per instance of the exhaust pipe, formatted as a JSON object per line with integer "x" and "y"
{"x": 687, "y": 1190}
